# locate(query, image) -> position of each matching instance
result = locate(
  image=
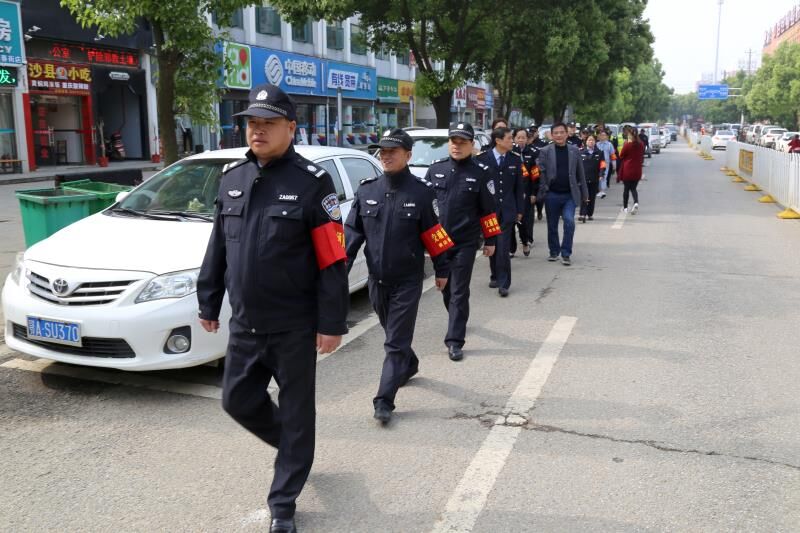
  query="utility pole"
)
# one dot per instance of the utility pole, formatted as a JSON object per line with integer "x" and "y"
{"x": 749, "y": 61}
{"x": 719, "y": 26}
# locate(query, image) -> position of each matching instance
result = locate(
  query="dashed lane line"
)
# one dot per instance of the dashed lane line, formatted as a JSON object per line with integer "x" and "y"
{"x": 470, "y": 495}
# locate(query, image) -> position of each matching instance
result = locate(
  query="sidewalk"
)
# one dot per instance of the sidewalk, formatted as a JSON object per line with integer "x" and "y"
{"x": 49, "y": 173}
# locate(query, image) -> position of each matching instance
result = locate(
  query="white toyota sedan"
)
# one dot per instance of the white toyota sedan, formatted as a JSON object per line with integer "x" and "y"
{"x": 117, "y": 289}
{"x": 721, "y": 138}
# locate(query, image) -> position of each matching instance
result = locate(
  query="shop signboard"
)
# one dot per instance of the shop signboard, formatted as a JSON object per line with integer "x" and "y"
{"x": 354, "y": 81}
{"x": 388, "y": 90}
{"x": 11, "y": 40}
{"x": 59, "y": 78}
{"x": 238, "y": 75}
{"x": 83, "y": 53}
{"x": 476, "y": 98}
{"x": 294, "y": 73}
{"x": 460, "y": 97}
{"x": 406, "y": 90}
{"x": 490, "y": 99}
{"x": 8, "y": 77}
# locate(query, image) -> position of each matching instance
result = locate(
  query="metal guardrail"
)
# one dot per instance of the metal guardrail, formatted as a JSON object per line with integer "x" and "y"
{"x": 776, "y": 173}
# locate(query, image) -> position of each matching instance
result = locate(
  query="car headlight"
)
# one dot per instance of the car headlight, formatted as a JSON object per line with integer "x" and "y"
{"x": 19, "y": 269}
{"x": 174, "y": 285}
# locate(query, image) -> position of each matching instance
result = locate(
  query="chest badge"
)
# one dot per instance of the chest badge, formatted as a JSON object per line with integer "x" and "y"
{"x": 372, "y": 202}
{"x": 490, "y": 186}
{"x": 439, "y": 175}
{"x": 235, "y": 193}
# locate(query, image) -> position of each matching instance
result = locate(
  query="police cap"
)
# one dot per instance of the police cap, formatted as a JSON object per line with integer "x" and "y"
{"x": 396, "y": 138}
{"x": 269, "y": 101}
{"x": 461, "y": 129}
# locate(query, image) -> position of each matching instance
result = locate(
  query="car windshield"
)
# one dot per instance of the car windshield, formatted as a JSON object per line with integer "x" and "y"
{"x": 189, "y": 186}
{"x": 724, "y": 132}
{"x": 776, "y": 132}
{"x": 788, "y": 135}
{"x": 427, "y": 150}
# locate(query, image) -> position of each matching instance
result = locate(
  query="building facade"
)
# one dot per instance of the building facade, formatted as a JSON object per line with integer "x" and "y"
{"x": 786, "y": 29}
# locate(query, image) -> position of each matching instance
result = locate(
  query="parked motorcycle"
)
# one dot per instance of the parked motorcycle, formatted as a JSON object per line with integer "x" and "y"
{"x": 115, "y": 148}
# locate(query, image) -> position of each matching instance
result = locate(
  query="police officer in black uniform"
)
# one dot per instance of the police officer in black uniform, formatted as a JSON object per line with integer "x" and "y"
{"x": 530, "y": 174}
{"x": 466, "y": 208}
{"x": 506, "y": 180}
{"x": 574, "y": 138}
{"x": 277, "y": 246}
{"x": 538, "y": 143}
{"x": 396, "y": 215}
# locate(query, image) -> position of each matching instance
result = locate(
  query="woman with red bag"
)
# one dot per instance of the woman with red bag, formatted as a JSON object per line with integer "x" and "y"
{"x": 632, "y": 157}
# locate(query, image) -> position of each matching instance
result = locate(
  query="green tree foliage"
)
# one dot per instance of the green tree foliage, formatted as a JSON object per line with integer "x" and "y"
{"x": 460, "y": 35}
{"x": 189, "y": 67}
{"x": 651, "y": 98}
{"x": 775, "y": 92}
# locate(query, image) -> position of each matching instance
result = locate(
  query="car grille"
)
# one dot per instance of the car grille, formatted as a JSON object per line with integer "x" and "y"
{"x": 92, "y": 347}
{"x": 93, "y": 293}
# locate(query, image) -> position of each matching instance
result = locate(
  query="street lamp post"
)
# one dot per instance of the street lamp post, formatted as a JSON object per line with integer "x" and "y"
{"x": 716, "y": 58}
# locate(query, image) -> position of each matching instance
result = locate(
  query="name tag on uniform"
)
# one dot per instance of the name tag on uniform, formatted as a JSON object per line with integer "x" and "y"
{"x": 471, "y": 180}
{"x": 288, "y": 197}
{"x": 439, "y": 175}
{"x": 372, "y": 202}
{"x": 409, "y": 204}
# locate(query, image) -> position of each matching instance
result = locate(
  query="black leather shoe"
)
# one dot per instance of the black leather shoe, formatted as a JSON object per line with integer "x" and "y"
{"x": 492, "y": 284}
{"x": 455, "y": 352}
{"x": 382, "y": 414}
{"x": 503, "y": 292}
{"x": 526, "y": 250}
{"x": 282, "y": 525}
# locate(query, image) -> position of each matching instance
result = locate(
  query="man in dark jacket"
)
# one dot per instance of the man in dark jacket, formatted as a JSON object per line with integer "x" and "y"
{"x": 563, "y": 187}
{"x": 396, "y": 214}
{"x": 277, "y": 246}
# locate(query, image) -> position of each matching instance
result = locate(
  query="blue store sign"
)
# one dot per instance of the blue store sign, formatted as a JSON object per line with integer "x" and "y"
{"x": 355, "y": 81}
{"x": 11, "y": 40}
{"x": 294, "y": 73}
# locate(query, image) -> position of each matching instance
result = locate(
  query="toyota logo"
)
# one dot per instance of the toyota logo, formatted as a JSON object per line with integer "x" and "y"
{"x": 60, "y": 287}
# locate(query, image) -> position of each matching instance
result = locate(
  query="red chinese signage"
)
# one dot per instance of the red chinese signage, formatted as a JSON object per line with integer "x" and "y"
{"x": 79, "y": 53}
{"x": 59, "y": 78}
{"x": 476, "y": 98}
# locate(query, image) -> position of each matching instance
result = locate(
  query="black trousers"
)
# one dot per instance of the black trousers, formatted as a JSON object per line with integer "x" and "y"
{"x": 588, "y": 209}
{"x": 456, "y": 293}
{"x": 291, "y": 358}
{"x": 630, "y": 188}
{"x": 500, "y": 262}
{"x": 525, "y": 227}
{"x": 396, "y": 307}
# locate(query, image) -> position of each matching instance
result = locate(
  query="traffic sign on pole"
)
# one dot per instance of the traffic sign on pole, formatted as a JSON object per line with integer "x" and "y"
{"x": 712, "y": 92}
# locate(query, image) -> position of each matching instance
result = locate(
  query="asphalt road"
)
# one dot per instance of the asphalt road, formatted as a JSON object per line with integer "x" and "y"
{"x": 651, "y": 386}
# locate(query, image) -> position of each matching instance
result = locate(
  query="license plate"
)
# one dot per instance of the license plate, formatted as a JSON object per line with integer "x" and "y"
{"x": 57, "y": 331}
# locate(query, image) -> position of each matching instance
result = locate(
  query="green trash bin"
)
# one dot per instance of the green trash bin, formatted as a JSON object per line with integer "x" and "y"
{"x": 45, "y": 211}
{"x": 106, "y": 193}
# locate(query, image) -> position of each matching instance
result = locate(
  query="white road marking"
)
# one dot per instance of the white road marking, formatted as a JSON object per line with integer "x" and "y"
{"x": 620, "y": 220}
{"x": 130, "y": 379}
{"x": 469, "y": 498}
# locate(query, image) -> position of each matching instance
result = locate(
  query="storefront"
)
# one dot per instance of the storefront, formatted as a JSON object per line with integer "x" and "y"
{"x": 12, "y": 61}
{"x": 86, "y": 101}
{"x": 314, "y": 84}
{"x": 395, "y": 103}
{"x": 476, "y": 106}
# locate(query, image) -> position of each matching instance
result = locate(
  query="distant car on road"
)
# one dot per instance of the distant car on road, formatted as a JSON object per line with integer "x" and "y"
{"x": 118, "y": 289}
{"x": 758, "y": 130}
{"x": 721, "y": 138}
{"x": 769, "y": 136}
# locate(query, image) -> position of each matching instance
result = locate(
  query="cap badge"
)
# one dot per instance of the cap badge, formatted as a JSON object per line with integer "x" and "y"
{"x": 262, "y": 95}
{"x": 460, "y": 126}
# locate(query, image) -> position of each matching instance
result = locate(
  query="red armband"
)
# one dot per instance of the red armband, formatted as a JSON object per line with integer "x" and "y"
{"x": 525, "y": 173}
{"x": 602, "y": 165}
{"x": 535, "y": 173}
{"x": 436, "y": 240}
{"x": 328, "y": 244}
{"x": 490, "y": 225}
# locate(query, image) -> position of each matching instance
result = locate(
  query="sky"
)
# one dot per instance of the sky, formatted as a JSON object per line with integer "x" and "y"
{"x": 685, "y": 34}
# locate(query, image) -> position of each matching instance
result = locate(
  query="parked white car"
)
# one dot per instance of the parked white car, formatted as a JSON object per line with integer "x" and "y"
{"x": 782, "y": 144}
{"x": 770, "y": 135}
{"x": 721, "y": 138}
{"x": 118, "y": 289}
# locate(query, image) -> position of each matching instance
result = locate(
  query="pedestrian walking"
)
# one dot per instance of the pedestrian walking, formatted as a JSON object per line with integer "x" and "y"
{"x": 563, "y": 187}
{"x": 524, "y": 146}
{"x": 572, "y": 136}
{"x": 594, "y": 165}
{"x": 609, "y": 156}
{"x": 506, "y": 178}
{"x": 395, "y": 215}
{"x": 646, "y": 142}
{"x": 465, "y": 197}
{"x": 538, "y": 143}
{"x": 632, "y": 157}
{"x": 277, "y": 249}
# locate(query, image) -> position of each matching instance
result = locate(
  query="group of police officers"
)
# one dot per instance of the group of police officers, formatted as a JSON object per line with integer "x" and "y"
{"x": 280, "y": 250}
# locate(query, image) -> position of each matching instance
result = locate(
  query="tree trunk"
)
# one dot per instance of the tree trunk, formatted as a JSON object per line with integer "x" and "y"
{"x": 441, "y": 104}
{"x": 165, "y": 97}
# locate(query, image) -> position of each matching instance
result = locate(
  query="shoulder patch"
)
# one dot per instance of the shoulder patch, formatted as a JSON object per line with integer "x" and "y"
{"x": 484, "y": 167}
{"x": 233, "y": 164}
{"x": 309, "y": 167}
{"x": 424, "y": 181}
{"x": 442, "y": 160}
{"x": 516, "y": 153}
{"x": 368, "y": 180}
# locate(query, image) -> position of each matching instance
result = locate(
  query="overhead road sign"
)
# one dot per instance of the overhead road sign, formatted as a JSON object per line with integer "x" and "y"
{"x": 712, "y": 92}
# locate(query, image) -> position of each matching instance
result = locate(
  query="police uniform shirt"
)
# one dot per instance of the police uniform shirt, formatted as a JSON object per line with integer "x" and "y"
{"x": 278, "y": 247}
{"x": 508, "y": 184}
{"x": 465, "y": 194}
{"x": 594, "y": 164}
{"x": 396, "y": 215}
